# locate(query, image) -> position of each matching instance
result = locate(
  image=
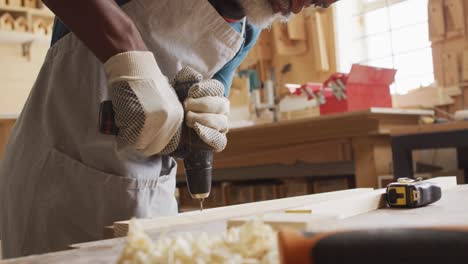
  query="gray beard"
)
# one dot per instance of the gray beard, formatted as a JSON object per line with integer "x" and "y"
{"x": 260, "y": 12}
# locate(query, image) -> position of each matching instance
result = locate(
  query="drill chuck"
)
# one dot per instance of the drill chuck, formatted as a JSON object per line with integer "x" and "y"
{"x": 198, "y": 167}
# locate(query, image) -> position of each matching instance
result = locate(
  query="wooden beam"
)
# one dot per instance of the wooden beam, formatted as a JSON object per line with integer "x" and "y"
{"x": 227, "y": 212}
{"x": 319, "y": 46}
{"x": 455, "y": 19}
{"x": 323, "y": 214}
{"x": 296, "y": 27}
{"x": 436, "y": 20}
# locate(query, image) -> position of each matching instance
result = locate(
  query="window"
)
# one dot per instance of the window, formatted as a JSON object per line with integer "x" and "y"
{"x": 389, "y": 34}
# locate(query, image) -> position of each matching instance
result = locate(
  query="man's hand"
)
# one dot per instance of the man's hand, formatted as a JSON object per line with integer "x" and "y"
{"x": 147, "y": 110}
{"x": 205, "y": 107}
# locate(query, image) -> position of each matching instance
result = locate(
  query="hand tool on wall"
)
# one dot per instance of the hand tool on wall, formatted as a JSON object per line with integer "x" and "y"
{"x": 197, "y": 155}
{"x": 410, "y": 193}
{"x": 400, "y": 245}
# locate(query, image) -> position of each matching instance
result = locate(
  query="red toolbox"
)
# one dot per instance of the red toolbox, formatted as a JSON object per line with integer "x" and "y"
{"x": 366, "y": 87}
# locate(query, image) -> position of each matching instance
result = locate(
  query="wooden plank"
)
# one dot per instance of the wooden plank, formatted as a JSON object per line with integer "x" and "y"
{"x": 315, "y": 216}
{"x": 87, "y": 255}
{"x": 436, "y": 20}
{"x": 306, "y": 221}
{"x": 296, "y": 27}
{"x": 399, "y": 112}
{"x": 319, "y": 46}
{"x": 445, "y": 183}
{"x": 284, "y": 45}
{"x": 227, "y": 212}
{"x": 455, "y": 18}
{"x": 437, "y": 50}
{"x": 447, "y": 212}
{"x": 465, "y": 65}
{"x": 347, "y": 206}
{"x": 108, "y": 232}
{"x": 451, "y": 68}
{"x": 423, "y": 97}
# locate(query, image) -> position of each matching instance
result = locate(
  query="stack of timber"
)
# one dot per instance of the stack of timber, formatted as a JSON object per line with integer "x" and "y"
{"x": 448, "y": 24}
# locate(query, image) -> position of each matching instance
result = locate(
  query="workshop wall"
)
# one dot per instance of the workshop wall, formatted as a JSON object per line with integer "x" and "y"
{"x": 17, "y": 75}
{"x": 307, "y": 42}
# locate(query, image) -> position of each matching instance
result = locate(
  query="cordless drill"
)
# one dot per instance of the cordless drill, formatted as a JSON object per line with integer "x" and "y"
{"x": 198, "y": 160}
{"x": 197, "y": 155}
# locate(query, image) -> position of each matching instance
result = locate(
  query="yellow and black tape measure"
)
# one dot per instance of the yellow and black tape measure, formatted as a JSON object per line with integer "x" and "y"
{"x": 409, "y": 193}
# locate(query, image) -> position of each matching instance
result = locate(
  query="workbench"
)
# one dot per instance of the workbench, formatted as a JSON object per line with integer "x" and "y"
{"x": 353, "y": 209}
{"x": 353, "y": 143}
{"x": 429, "y": 136}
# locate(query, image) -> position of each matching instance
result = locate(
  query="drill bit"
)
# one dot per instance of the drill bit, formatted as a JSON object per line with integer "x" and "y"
{"x": 201, "y": 204}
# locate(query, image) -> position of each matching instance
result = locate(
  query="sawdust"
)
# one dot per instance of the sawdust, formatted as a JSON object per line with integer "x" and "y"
{"x": 253, "y": 242}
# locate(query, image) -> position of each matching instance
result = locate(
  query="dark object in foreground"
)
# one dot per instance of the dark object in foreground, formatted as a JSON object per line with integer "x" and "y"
{"x": 400, "y": 245}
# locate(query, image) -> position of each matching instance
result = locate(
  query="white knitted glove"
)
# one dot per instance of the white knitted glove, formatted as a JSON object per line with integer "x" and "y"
{"x": 147, "y": 110}
{"x": 205, "y": 107}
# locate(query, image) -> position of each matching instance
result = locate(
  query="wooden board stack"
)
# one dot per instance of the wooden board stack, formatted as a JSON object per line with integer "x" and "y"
{"x": 447, "y": 31}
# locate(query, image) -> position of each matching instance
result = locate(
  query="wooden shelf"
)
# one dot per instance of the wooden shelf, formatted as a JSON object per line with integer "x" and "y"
{"x": 15, "y": 37}
{"x": 43, "y": 12}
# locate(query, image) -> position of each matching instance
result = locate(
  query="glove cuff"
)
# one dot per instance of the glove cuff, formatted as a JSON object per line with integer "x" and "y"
{"x": 132, "y": 65}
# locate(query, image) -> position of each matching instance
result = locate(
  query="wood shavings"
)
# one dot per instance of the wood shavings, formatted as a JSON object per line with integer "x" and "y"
{"x": 252, "y": 243}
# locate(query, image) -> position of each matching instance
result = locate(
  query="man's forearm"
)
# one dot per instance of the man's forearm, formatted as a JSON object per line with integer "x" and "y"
{"x": 104, "y": 28}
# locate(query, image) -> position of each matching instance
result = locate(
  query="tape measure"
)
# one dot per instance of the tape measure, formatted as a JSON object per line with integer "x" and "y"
{"x": 411, "y": 193}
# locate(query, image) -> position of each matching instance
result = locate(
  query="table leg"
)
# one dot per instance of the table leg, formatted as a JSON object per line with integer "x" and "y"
{"x": 462, "y": 156}
{"x": 372, "y": 158}
{"x": 402, "y": 159}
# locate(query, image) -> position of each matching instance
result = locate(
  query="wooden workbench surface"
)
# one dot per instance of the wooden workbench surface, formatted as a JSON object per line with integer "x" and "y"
{"x": 373, "y": 120}
{"x": 450, "y": 210}
{"x": 374, "y": 112}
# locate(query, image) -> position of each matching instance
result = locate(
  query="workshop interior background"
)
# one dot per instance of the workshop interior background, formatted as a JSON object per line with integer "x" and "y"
{"x": 282, "y": 79}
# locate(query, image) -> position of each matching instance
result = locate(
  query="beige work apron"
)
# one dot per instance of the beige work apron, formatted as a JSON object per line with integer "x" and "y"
{"x": 61, "y": 180}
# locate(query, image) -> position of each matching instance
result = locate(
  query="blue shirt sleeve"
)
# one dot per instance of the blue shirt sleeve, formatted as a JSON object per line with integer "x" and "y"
{"x": 226, "y": 74}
